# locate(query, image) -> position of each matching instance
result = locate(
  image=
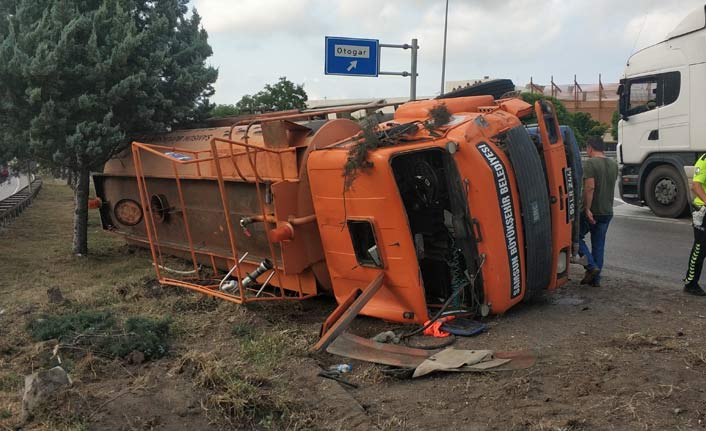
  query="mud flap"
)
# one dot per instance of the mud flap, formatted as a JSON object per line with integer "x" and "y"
{"x": 534, "y": 204}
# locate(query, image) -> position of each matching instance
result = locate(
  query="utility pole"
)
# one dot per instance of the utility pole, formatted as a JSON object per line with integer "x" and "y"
{"x": 443, "y": 58}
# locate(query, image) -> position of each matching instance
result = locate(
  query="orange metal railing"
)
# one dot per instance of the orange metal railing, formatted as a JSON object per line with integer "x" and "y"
{"x": 222, "y": 151}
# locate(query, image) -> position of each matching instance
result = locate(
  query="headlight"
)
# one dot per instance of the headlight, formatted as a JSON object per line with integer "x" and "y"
{"x": 561, "y": 264}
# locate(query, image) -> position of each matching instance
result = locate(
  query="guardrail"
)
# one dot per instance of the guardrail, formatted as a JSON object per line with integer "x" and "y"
{"x": 611, "y": 154}
{"x": 12, "y": 206}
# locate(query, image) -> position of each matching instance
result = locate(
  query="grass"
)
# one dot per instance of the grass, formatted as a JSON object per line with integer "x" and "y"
{"x": 11, "y": 382}
{"x": 251, "y": 388}
{"x": 40, "y": 256}
{"x": 242, "y": 330}
{"x": 114, "y": 306}
{"x": 268, "y": 352}
{"x": 242, "y": 395}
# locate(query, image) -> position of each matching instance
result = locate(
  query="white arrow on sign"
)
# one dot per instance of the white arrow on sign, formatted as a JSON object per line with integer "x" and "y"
{"x": 353, "y": 65}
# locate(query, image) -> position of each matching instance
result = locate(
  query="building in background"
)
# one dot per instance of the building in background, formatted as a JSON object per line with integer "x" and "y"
{"x": 599, "y": 100}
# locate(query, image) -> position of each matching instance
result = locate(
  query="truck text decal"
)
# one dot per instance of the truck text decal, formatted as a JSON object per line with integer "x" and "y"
{"x": 508, "y": 214}
{"x": 571, "y": 199}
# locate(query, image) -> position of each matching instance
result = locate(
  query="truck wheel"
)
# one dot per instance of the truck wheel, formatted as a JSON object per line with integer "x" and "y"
{"x": 665, "y": 192}
{"x": 495, "y": 87}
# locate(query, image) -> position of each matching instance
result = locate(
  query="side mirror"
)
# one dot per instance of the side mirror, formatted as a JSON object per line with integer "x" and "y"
{"x": 623, "y": 105}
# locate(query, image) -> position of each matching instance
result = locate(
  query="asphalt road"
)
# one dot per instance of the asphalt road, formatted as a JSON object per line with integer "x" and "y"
{"x": 12, "y": 186}
{"x": 646, "y": 246}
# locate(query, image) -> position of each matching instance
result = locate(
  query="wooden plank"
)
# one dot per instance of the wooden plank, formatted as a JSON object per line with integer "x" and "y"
{"x": 347, "y": 316}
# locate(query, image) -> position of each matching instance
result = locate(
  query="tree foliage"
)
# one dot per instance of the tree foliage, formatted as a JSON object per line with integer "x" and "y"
{"x": 582, "y": 123}
{"x": 79, "y": 78}
{"x": 614, "y": 125}
{"x": 281, "y": 96}
{"x": 562, "y": 114}
{"x": 225, "y": 110}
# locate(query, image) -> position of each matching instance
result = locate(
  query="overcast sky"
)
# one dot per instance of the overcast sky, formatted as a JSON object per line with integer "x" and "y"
{"x": 256, "y": 41}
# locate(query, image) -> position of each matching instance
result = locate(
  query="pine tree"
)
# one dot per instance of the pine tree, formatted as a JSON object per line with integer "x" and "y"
{"x": 79, "y": 78}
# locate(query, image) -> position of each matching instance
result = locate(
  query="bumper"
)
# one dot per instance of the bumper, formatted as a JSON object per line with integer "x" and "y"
{"x": 628, "y": 186}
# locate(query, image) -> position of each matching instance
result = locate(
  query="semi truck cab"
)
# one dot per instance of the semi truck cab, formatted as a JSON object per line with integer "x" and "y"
{"x": 661, "y": 132}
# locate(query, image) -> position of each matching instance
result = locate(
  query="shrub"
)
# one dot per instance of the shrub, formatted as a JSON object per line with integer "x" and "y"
{"x": 101, "y": 333}
{"x": 144, "y": 334}
{"x": 64, "y": 326}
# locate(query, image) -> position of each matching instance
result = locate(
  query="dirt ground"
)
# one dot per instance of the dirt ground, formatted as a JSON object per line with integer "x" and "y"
{"x": 630, "y": 355}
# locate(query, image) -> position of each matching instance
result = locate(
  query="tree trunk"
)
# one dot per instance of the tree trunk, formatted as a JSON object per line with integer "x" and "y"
{"x": 82, "y": 180}
{"x": 29, "y": 175}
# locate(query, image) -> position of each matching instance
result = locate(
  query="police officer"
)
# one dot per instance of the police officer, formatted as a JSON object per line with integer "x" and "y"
{"x": 698, "y": 251}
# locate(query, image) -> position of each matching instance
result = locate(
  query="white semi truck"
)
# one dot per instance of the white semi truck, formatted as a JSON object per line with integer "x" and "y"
{"x": 662, "y": 131}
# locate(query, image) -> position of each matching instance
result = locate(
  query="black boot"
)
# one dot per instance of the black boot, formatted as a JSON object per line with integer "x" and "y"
{"x": 694, "y": 289}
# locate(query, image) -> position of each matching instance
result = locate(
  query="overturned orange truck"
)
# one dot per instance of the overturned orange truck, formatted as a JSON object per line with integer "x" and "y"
{"x": 450, "y": 201}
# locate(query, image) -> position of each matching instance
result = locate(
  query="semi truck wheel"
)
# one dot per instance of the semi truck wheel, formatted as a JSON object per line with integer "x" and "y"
{"x": 665, "y": 192}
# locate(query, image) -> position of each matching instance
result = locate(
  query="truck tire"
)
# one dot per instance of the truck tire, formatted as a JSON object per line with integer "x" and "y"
{"x": 494, "y": 87}
{"x": 665, "y": 192}
{"x": 536, "y": 212}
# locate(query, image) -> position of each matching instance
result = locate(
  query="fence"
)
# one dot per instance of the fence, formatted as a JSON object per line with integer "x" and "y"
{"x": 599, "y": 100}
{"x": 610, "y": 154}
{"x": 12, "y": 206}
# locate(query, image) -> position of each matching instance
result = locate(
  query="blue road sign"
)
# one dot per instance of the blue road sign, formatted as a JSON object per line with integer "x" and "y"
{"x": 352, "y": 57}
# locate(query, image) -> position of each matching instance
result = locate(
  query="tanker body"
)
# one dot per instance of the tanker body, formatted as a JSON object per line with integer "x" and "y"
{"x": 449, "y": 202}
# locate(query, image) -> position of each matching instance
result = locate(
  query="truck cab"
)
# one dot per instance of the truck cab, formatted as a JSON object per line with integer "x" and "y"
{"x": 660, "y": 134}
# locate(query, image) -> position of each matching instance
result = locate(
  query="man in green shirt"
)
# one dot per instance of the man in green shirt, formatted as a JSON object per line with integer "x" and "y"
{"x": 696, "y": 258}
{"x": 599, "y": 176}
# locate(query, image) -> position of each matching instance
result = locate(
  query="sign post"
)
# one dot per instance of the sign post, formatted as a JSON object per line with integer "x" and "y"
{"x": 361, "y": 57}
{"x": 352, "y": 57}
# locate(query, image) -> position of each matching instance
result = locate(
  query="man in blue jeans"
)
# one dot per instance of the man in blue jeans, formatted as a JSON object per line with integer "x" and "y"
{"x": 599, "y": 176}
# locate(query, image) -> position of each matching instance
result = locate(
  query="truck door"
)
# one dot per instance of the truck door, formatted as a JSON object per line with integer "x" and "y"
{"x": 364, "y": 231}
{"x": 697, "y": 105}
{"x": 640, "y": 126}
{"x": 561, "y": 190}
{"x": 673, "y": 102}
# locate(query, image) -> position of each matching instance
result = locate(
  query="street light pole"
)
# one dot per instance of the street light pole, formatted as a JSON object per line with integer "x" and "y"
{"x": 443, "y": 59}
